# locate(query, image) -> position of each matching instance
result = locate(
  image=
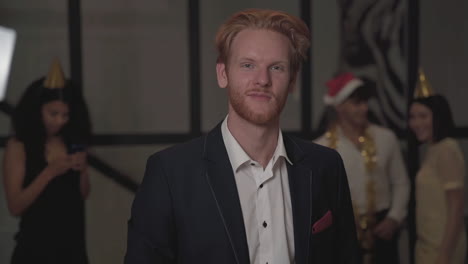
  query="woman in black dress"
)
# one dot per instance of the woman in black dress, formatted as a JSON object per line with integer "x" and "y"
{"x": 45, "y": 172}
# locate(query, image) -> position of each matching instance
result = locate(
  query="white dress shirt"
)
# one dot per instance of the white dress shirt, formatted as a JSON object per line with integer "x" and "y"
{"x": 265, "y": 201}
{"x": 391, "y": 180}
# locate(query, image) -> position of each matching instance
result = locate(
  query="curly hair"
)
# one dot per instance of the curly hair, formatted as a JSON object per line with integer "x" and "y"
{"x": 290, "y": 26}
{"x": 28, "y": 126}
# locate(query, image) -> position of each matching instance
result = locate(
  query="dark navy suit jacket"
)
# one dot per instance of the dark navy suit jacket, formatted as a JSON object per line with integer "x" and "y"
{"x": 187, "y": 209}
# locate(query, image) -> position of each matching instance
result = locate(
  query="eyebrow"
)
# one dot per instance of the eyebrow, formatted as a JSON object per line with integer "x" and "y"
{"x": 252, "y": 60}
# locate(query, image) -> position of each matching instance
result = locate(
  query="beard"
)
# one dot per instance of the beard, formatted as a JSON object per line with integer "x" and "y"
{"x": 268, "y": 114}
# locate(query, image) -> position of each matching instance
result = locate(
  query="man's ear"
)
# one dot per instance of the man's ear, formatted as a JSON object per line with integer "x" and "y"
{"x": 221, "y": 75}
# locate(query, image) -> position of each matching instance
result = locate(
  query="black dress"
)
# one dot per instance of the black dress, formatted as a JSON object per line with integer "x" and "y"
{"x": 52, "y": 230}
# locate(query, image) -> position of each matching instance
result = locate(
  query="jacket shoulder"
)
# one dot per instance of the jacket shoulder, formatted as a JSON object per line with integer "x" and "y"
{"x": 315, "y": 154}
{"x": 181, "y": 153}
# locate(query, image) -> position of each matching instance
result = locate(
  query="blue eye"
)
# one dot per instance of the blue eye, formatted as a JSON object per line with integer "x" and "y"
{"x": 247, "y": 65}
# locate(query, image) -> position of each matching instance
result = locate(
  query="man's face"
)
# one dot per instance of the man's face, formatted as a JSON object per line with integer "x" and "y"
{"x": 257, "y": 75}
{"x": 354, "y": 112}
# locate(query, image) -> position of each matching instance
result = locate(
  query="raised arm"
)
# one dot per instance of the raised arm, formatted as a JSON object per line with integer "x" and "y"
{"x": 20, "y": 198}
{"x": 80, "y": 163}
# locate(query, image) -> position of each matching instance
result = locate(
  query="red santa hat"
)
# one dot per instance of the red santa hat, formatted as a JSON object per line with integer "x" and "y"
{"x": 340, "y": 88}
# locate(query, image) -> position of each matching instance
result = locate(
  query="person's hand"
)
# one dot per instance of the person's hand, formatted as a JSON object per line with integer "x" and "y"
{"x": 59, "y": 166}
{"x": 386, "y": 228}
{"x": 79, "y": 160}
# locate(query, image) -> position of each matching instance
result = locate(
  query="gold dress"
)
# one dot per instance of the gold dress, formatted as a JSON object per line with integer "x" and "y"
{"x": 443, "y": 169}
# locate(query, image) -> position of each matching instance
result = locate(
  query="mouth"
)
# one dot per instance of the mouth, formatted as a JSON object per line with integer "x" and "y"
{"x": 261, "y": 96}
{"x": 55, "y": 128}
{"x": 419, "y": 133}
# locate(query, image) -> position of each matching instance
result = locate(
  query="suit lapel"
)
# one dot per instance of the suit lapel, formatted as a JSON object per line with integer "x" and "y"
{"x": 300, "y": 185}
{"x": 224, "y": 189}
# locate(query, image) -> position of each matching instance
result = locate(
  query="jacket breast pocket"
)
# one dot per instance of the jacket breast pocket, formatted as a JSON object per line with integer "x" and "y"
{"x": 322, "y": 238}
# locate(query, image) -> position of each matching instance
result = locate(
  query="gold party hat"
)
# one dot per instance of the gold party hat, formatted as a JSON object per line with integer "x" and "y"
{"x": 55, "y": 77}
{"x": 423, "y": 87}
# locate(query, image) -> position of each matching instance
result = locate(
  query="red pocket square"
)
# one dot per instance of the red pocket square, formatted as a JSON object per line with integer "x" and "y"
{"x": 323, "y": 223}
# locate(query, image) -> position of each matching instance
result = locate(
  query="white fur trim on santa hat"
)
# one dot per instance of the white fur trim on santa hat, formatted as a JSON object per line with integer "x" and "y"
{"x": 343, "y": 94}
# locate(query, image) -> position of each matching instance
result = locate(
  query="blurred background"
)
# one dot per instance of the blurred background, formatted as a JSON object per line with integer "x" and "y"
{"x": 147, "y": 71}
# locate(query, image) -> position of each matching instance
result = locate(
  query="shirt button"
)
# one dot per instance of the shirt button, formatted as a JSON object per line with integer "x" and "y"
{"x": 261, "y": 185}
{"x": 265, "y": 224}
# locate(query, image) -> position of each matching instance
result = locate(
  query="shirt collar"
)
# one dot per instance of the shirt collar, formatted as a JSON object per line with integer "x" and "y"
{"x": 280, "y": 150}
{"x": 237, "y": 155}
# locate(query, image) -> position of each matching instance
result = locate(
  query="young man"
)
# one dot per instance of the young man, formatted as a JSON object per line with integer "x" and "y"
{"x": 376, "y": 173}
{"x": 245, "y": 192}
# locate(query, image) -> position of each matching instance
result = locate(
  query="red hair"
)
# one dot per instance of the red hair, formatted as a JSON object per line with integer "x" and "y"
{"x": 290, "y": 26}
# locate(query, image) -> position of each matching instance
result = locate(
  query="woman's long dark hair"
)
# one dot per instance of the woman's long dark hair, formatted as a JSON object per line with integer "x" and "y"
{"x": 28, "y": 126}
{"x": 442, "y": 119}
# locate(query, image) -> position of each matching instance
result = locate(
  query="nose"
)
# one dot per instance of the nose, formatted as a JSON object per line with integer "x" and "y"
{"x": 364, "y": 106}
{"x": 263, "y": 77}
{"x": 414, "y": 123}
{"x": 60, "y": 120}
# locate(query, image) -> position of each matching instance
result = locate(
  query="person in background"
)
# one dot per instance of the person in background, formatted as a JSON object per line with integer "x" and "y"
{"x": 45, "y": 172}
{"x": 246, "y": 192}
{"x": 441, "y": 236}
{"x": 376, "y": 173}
